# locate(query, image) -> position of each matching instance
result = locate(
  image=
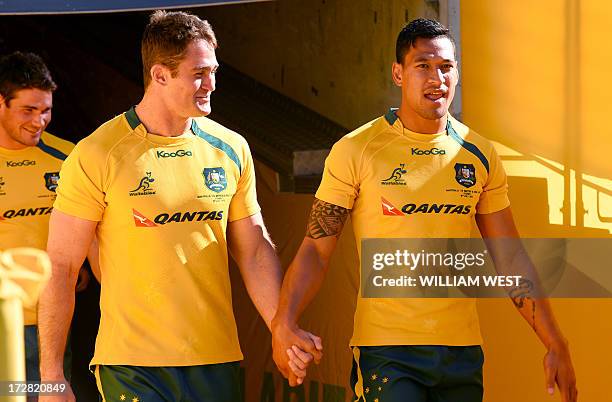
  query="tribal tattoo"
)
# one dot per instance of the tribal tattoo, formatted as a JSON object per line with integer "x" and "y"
{"x": 522, "y": 294}
{"x": 326, "y": 220}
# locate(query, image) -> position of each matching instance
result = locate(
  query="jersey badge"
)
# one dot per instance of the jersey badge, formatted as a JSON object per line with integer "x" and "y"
{"x": 395, "y": 179}
{"x": 465, "y": 174}
{"x": 144, "y": 186}
{"x": 215, "y": 179}
{"x": 2, "y": 183}
{"x": 51, "y": 179}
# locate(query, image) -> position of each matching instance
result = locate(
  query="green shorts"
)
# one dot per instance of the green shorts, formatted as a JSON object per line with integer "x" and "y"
{"x": 417, "y": 373}
{"x": 211, "y": 382}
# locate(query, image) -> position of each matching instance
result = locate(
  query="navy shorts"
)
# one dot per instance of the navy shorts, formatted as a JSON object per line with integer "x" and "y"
{"x": 417, "y": 373}
{"x": 210, "y": 382}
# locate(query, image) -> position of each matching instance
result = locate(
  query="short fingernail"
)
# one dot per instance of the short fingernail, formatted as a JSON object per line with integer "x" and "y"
{"x": 551, "y": 390}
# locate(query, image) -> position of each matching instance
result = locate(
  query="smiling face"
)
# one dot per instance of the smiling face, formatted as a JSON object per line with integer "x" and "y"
{"x": 24, "y": 118}
{"x": 428, "y": 76}
{"x": 189, "y": 89}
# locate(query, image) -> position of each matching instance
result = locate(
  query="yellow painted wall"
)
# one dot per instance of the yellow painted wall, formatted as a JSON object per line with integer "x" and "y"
{"x": 534, "y": 81}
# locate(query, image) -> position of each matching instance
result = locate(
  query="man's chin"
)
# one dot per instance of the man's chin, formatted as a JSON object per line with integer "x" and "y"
{"x": 435, "y": 114}
{"x": 203, "y": 110}
{"x": 32, "y": 141}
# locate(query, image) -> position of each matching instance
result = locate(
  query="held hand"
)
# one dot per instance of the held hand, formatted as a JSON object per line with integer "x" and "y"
{"x": 300, "y": 360}
{"x": 283, "y": 338}
{"x": 558, "y": 369}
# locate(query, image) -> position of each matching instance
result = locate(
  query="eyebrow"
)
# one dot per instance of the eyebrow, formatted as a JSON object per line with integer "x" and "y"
{"x": 424, "y": 58}
{"x": 36, "y": 107}
{"x": 207, "y": 67}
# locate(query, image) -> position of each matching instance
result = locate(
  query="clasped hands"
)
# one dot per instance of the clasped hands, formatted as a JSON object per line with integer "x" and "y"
{"x": 293, "y": 350}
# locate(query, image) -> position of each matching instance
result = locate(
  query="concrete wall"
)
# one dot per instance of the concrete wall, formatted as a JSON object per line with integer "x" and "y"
{"x": 333, "y": 56}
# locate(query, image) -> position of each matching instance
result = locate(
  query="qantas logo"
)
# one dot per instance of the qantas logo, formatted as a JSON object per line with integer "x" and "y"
{"x": 389, "y": 209}
{"x": 15, "y": 213}
{"x": 142, "y": 221}
{"x": 178, "y": 217}
{"x": 409, "y": 209}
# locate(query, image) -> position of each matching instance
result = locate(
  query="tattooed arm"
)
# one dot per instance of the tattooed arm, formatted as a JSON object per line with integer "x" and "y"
{"x": 302, "y": 281}
{"x": 530, "y": 302}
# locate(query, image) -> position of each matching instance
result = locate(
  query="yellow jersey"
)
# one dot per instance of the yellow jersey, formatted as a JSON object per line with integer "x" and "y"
{"x": 28, "y": 179}
{"x": 163, "y": 204}
{"x": 402, "y": 184}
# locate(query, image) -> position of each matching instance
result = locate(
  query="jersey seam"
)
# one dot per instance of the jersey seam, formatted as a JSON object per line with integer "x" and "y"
{"x": 361, "y": 157}
{"x": 384, "y": 146}
{"x": 463, "y": 138}
{"x": 108, "y": 155}
{"x": 199, "y": 133}
{"x": 51, "y": 150}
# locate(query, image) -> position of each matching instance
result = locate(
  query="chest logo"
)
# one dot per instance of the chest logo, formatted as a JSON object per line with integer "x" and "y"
{"x": 142, "y": 221}
{"x": 465, "y": 174}
{"x": 389, "y": 209}
{"x": 215, "y": 179}
{"x": 20, "y": 163}
{"x": 144, "y": 186}
{"x": 51, "y": 180}
{"x": 2, "y": 183}
{"x": 177, "y": 154}
{"x": 432, "y": 151}
{"x": 396, "y": 177}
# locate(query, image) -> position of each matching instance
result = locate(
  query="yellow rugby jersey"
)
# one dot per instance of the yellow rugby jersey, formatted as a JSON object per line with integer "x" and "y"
{"x": 163, "y": 204}
{"x": 28, "y": 178}
{"x": 401, "y": 184}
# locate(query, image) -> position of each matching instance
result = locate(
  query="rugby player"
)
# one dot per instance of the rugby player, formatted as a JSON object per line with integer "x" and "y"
{"x": 415, "y": 172}
{"x": 168, "y": 192}
{"x": 30, "y": 161}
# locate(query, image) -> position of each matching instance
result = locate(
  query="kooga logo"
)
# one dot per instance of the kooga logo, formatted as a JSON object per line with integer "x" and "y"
{"x": 433, "y": 151}
{"x": 177, "y": 154}
{"x": 21, "y": 163}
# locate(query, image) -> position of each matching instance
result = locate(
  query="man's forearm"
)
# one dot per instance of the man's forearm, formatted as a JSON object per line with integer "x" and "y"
{"x": 263, "y": 277}
{"x": 302, "y": 282}
{"x": 56, "y": 306}
{"x": 307, "y": 271}
{"x": 538, "y": 313}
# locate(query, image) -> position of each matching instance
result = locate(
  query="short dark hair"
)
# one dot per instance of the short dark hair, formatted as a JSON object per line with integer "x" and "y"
{"x": 167, "y": 36}
{"x": 23, "y": 71}
{"x": 415, "y": 29}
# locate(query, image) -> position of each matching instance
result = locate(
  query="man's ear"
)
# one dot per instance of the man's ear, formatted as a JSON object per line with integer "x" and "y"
{"x": 396, "y": 73}
{"x": 160, "y": 74}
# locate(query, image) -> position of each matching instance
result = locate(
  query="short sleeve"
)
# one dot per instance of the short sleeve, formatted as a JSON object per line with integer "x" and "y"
{"x": 80, "y": 188}
{"x": 494, "y": 196}
{"x": 339, "y": 185}
{"x": 244, "y": 202}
